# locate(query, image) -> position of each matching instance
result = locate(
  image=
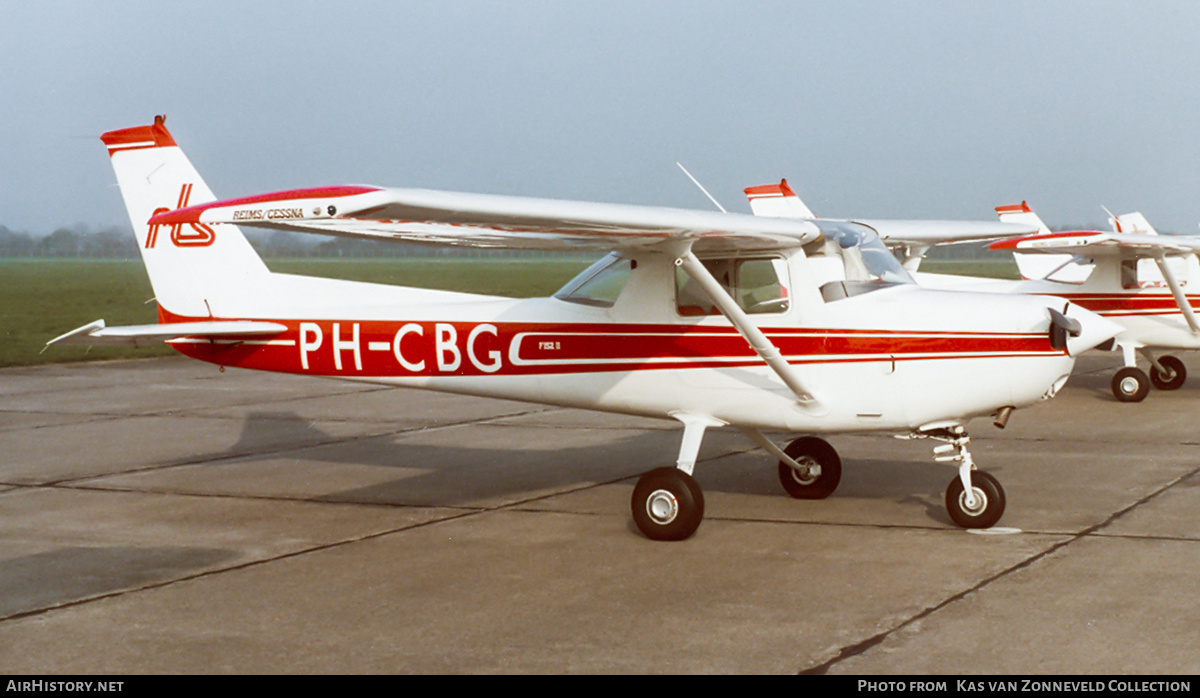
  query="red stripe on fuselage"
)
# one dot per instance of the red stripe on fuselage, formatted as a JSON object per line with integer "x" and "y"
{"x": 1132, "y": 303}
{"x": 376, "y": 348}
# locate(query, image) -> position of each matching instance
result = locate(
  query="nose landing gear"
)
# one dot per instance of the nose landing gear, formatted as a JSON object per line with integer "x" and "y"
{"x": 974, "y": 499}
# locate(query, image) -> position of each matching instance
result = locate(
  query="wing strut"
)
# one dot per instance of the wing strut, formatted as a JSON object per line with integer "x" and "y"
{"x": 1180, "y": 299}
{"x": 913, "y": 254}
{"x": 757, "y": 340}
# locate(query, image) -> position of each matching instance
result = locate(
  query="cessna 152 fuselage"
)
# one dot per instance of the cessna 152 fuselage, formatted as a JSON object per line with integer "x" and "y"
{"x": 709, "y": 319}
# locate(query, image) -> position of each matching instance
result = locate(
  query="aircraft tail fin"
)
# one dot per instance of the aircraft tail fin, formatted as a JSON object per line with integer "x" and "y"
{"x": 777, "y": 201}
{"x": 1032, "y": 266}
{"x": 1131, "y": 223}
{"x": 1021, "y": 213}
{"x": 196, "y": 271}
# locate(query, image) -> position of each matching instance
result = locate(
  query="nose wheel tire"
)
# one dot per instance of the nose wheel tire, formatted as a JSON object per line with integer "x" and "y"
{"x": 823, "y": 469}
{"x": 667, "y": 504}
{"x": 1173, "y": 375}
{"x": 1130, "y": 384}
{"x": 987, "y": 508}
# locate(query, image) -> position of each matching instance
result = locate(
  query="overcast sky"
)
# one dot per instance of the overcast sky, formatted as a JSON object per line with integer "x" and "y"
{"x": 870, "y": 109}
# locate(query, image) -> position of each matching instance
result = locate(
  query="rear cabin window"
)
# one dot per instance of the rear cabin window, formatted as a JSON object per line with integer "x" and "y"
{"x": 759, "y": 285}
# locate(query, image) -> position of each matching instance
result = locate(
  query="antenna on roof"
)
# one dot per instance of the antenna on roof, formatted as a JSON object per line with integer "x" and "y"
{"x": 710, "y": 196}
{"x": 1112, "y": 219}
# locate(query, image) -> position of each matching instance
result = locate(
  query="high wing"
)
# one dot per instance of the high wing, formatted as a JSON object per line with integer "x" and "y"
{"x": 483, "y": 220}
{"x": 1068, "y": 265}
{"x": 1097, "y": 243}
{"x": 96, "y": 333}
{"x": 915, "y": 236}
{"x": 931, "y": 232}
{"x": 1127, "y": 246}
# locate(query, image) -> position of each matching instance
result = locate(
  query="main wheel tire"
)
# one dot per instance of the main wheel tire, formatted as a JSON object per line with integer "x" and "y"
{"x": 667, "y": 504}
{"x": 1130, "y": 384}
{"x": 818, "y": 455}
{"x": 989, "y": 501}
{"x": 1173, "y": 377}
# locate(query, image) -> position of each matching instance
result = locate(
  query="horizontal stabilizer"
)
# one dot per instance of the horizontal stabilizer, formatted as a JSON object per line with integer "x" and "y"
{"x": 96, "y": 333}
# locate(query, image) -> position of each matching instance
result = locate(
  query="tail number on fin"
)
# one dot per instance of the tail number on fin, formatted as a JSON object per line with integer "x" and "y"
{"x": 200, "y": 235}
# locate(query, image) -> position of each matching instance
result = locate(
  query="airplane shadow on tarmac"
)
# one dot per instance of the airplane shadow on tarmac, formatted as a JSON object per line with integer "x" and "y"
{"x": 502, "y": 462}
{"x": 41, "y": 580}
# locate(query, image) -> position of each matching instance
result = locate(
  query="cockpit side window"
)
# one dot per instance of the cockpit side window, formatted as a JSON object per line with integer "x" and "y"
{"x": 600, "y": 284}
{"x": 758, "y": 285}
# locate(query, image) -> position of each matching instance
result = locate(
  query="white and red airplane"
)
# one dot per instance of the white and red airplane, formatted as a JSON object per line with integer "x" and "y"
{"x": 705, "y": 318}
{"x": 1132, "y": 276}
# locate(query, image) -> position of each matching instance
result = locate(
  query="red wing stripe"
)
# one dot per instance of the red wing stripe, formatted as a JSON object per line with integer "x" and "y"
{"x": 193, "y": 213}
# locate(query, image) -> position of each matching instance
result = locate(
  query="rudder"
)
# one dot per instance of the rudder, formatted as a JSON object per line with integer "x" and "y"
{"x": 195, "y": 271}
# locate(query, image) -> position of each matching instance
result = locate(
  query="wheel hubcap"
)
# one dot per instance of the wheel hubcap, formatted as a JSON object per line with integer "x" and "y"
{"x": 980, "y": 502}
{"x": 662, "y": 506}
{"x": 810, "y": 474}
{"x": 1129, "y": 386}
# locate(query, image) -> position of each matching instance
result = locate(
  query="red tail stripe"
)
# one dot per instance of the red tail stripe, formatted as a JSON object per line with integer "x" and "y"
{"x": 137, "y": 137}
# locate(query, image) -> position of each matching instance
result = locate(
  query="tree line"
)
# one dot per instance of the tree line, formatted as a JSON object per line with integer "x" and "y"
{"x": 119, "y": 243}
{"x": 110, "y": 243}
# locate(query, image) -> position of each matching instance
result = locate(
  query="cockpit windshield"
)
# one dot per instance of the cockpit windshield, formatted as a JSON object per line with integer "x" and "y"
{"x": 849, "y": 259}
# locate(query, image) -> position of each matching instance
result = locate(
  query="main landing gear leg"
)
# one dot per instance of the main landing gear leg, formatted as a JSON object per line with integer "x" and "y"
{"x": 667, "y": 503}
{"x": 974, "y": 499}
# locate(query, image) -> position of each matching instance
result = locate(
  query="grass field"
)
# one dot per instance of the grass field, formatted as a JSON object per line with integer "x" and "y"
{"x": 41, "y": 299}
{"x": 995, "y": 269}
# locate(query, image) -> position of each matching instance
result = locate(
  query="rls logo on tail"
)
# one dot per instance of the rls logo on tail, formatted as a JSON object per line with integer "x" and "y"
{"x": 200, "y": 235}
